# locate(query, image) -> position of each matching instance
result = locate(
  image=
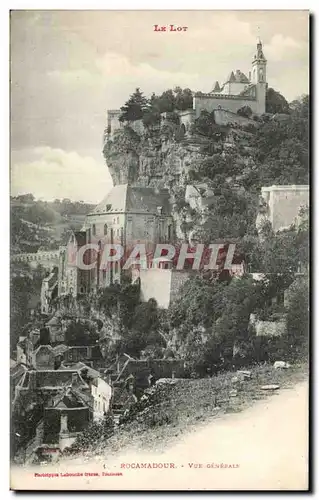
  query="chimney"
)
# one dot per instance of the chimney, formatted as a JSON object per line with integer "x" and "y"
{"x": 74, "y": 378}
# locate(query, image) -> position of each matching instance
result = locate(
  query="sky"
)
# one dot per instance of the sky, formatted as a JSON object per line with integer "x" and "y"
{"x": 69, "y": 67}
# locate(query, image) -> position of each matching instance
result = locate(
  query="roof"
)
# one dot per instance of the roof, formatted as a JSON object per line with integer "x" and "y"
{"x": 237, "y": 77}
{"x": 92, "y": 351}
{"x": 22, "y": 342}
{"x": 216, "y": 87}
{"x": 60, "y": 349}
{"x": 80, "y": 237}
{"x": 70, "y": 398}
{"x": 54, "y": 321}
{"x": 57, "y": 378}
{"x": 80, "y": 367}
{"x": 17, "y": 370}
{"x": 133, "y": 199}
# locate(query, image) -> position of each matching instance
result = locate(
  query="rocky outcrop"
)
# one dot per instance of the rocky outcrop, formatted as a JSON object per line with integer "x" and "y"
{"x": 152, "y": 160}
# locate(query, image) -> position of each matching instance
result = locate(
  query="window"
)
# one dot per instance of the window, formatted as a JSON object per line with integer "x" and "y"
{"x": 94, "y": 230}
{"x": 108, "y": 208}
{"x": 105, "y": 229}
{"x": 118, "y": 220}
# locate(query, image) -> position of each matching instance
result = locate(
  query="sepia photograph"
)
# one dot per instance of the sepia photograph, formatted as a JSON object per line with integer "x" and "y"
{"x": 159, "y": 250}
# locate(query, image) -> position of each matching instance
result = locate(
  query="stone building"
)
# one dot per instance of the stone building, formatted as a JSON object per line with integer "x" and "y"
{"x": 127, "y": 216}
{"x": 236, "y": 92}
{"x": 281, "y": 205}
{"x": 238, "y": 89}
{"x": 72, "y": 280}
{"x": 49, "y": 291}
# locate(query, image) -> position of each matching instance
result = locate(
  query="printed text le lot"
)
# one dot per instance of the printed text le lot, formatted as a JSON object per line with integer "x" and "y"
{"x": 171, "y": 27}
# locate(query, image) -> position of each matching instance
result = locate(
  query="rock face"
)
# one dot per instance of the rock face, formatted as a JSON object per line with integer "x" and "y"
{"x": 168, "y": 157}
{"x": 156, "y": 160}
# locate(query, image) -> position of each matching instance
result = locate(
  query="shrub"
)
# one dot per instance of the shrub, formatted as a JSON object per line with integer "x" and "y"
{"x": 245, "y": 111}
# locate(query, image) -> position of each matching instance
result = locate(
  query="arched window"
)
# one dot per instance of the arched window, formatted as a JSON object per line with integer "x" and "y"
{"x": 105, "y": 229}
{"x": 94, "y": 230}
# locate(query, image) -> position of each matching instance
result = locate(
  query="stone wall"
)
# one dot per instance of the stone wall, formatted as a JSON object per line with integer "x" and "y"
{"x": 163, "y": 285}
{"x": 156, "y": 284}
{"x": 224, "y": 117}
{"x": 284, "y": 203}
{"x": 47, "y": 259}
{"x": 187, "y": 118}
{"x": 114, "y": 123}
{"x": 269, "y": 328}
{"x": 207, "y": 102}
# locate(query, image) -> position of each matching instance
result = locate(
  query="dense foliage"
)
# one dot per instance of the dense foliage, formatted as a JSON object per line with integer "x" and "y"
{"x": 138, "y": 107}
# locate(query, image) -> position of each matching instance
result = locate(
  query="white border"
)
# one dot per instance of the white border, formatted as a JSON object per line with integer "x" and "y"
{"x": 4, "y": 172}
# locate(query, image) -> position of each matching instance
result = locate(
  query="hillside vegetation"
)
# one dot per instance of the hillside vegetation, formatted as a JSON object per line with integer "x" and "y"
{"x": 41, "y": 225}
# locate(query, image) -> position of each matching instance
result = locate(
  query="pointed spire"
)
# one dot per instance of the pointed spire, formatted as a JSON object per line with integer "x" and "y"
{"x": 231, "y": 78}
{"x": 216, "y": 87}
{"x": 258, "y": 35}
{"x": 259, "y": 53}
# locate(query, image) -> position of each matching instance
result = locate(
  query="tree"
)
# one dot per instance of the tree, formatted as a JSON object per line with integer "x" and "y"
{"x": 166, "y": 102}
{"x": 135, "y": 107}
{"x": 205, "y": 125}
{"x": 275, "y": 102}
{"x": 298, "y": 316}
{"x": 183, "y": 99}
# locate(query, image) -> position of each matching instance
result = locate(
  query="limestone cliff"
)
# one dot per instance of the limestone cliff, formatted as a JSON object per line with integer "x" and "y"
{"x": 157, "y": 158}
{"x": 167, "y": 157}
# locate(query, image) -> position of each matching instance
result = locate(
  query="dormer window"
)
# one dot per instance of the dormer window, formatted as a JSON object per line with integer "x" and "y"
{"x": 108, "y": 208}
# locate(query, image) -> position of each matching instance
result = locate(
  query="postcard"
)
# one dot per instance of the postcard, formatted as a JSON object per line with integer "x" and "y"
{"x": 159, "y": 252}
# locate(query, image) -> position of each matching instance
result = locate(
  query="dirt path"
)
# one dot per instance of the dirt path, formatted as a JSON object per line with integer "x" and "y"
{"x": 268, "y": 442}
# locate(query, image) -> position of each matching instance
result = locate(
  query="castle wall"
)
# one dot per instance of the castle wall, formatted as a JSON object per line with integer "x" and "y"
{"x": 156, "y": 284}
{"x": 270, "y": 328}
{"x": 187, "y": 118}
{"x": 284, "y": 203}
{"x": 114, "y": 124}
{"x": 113, "y": 121}
{"x": 209, "y": 103}
{"x": 224, "y": 116}
{"x": 163, "y": 285}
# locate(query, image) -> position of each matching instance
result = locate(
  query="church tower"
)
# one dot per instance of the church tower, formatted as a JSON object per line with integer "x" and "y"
{"x": 258, "y": 77}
